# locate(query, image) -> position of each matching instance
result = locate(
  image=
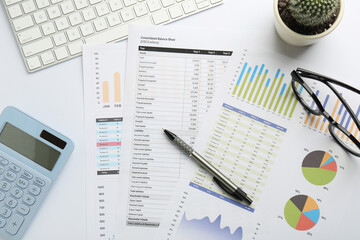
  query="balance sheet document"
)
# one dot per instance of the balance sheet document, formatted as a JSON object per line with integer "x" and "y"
{"x": 172, "y": 76}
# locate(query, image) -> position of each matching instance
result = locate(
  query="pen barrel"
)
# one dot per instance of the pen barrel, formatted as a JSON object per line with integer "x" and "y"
{"x": 183, "y": 146}
{"x": 216, "y": 173}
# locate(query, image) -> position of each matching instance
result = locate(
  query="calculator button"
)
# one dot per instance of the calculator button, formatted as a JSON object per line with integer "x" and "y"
{"x": 14, "y": 167}
{"x": 2, "y": 196}
{"x": 16, "y": 192}
{"x": 5, "y": 186}
{"x": 11, "y": 176}
{"x": 4, "y": 161}
{"x": 14, "y": 224}
{"x": 21, "y": 182}
{"x": 11, "y": 202}
{"x": 28, "y": 199}
{"x": 5, "y": 212}
{"x": 34, "y": 190}
{"x": 27, "y": 174}
{"x": 2, "y": 222}
{"x": 2, "y": 169}
{"x": 39, "y": 182}
{"x": 23, "y": 209}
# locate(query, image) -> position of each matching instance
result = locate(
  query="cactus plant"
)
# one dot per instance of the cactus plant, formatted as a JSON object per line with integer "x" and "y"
{"x": 313, "y": 12}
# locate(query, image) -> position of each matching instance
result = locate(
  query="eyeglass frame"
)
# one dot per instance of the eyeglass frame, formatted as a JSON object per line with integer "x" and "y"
{"x": 297, "y": 78}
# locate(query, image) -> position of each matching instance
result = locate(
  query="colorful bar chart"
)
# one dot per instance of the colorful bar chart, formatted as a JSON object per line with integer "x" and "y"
{"x": 256, "y": 85}
{"x": 338, "y": 113}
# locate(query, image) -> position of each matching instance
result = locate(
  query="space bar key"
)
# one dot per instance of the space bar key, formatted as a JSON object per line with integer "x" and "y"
{"x": 109, "y": 35}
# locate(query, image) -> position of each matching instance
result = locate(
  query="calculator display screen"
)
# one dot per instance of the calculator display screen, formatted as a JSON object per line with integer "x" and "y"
{"x": 28, "y": 146}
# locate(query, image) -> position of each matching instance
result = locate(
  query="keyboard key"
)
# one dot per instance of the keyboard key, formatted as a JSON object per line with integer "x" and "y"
{"x": 75, "y": 47}
{"x": 189, "y": 6}
{"x": 113, "y": 19}
{"x": 129, "y": 2}
{"x": 100, "y": 24}
{"x": 202, "y": 4}
{"x": 61, "y": 53}
{"x": 87, "y": 29}
{"x": 140, "y": 10}
{"x": 47, "y": 58}
{"x": 102, "y": 9}
{"x": 40, "y": 17}
{"x": 33, "y": 62}
{"x": 48, "y": 28}
{"x": 15, "y": 11}
{"x": 10, "y": 175}
{"x": 23, "y": 23}
{"x": 2, "y": 222}
{"x": 62, "y": 23}
{"x": 89, "y": 14}
{"x": 4, "y": 161}
{"x": 21, "y": 182}
{"x": 39, "y": 181}
{"x": 5, "y": 186}
{"x": 167, "y": 3}
{"x": 115, "y": 5}
{"x": 10, "y": 2}
{"x": 14, "y": 224}
{"x": 28, "y": 199}
{"x": 23, "y": 209}
{"x": 34, "y": 190}
{"x": 42, "y": 3}
{"x": 54, "y": 12}
{"x": 2, "y": 169}
{"x": 59, "y": 39}
{"x": 14, "y": 167}
{"x": 11, "y": 202}
{"x": 75, "y": 19}
{"x": 127, "y": 14}
{"x": 5, "y": 212}
{"x": 2, "y": 196}
{"x": 27, "y": 174}
{"x": 175, "y": 11}
{"x": 153, "y": 5}
{"x": 67, "y": 7}
{"x": 16, "y": 192}
{"x": 73, "y": 34}
{"x": 28, "y": 6}
{"x": 80, "y": 4}
{"x": 160, "y": 17}
{"x": 37, "y": 47}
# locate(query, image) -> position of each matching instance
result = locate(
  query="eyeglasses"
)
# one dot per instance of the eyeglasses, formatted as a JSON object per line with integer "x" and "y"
{"x": 301, "y": 79}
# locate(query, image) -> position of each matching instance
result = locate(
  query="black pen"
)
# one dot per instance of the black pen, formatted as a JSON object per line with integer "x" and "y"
{"x": 219, "y": 178}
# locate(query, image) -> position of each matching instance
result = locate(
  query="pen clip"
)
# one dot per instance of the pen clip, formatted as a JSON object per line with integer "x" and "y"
{"x": 226, "y": 189}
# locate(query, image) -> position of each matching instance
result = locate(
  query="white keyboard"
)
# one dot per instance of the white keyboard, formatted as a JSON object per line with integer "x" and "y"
{"x": 52, "y": 31}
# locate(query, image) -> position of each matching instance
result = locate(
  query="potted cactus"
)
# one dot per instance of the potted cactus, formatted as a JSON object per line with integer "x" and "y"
{"x": 303, "y": 22}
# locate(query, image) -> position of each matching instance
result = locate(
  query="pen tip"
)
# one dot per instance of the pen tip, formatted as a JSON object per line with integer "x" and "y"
{"x": 169, "y": 134}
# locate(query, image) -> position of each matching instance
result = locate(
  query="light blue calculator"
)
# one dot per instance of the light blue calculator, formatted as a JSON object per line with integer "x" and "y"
{"x": 31, "y": 158}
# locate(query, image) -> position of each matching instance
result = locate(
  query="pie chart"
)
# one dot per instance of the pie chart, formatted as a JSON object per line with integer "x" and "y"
{"x": 319, "y": 167}
{"x": 301, "y": 212}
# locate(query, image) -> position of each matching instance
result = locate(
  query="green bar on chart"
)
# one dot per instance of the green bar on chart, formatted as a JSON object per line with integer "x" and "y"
{"x": 285, "y": 98}
{"x": 293, "y": 108}
{"x": 264, "y": 91}
{"x": 276, "y": 91}
{"x": 261, "y": 84}
{"x": 243, "y": 84}
{"x": 239, "y": 79}
{"x": 251, "y": 80}
{"x": 271, "y": 88}
{"x": 256, "y": 82}
{"x": 289, "y": 103}
{"x": 280, "y": 96}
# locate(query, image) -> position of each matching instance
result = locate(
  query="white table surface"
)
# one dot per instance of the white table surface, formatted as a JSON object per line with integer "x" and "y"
{"x": 55, "y": 96}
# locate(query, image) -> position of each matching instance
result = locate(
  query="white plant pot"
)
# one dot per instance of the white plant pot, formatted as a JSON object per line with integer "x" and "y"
{"x": 297, "y": 39}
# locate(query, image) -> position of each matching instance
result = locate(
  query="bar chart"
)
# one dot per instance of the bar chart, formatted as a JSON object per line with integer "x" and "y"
{"x": 338, "y": 113}
{"x": 266, "y": 88}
